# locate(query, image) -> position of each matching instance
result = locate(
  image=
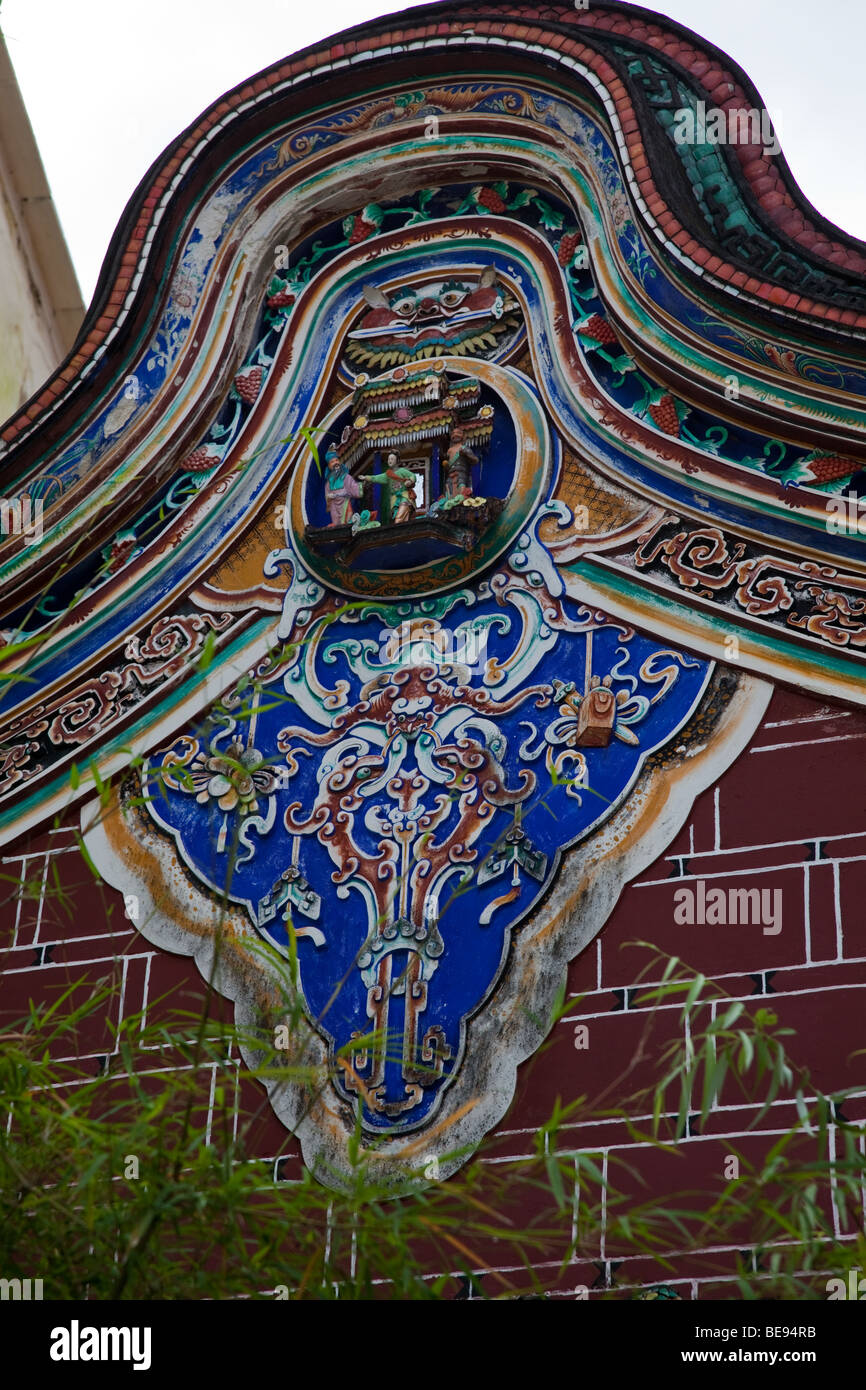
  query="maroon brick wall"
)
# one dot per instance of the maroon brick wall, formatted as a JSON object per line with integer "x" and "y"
{"x": 789, "y": 814}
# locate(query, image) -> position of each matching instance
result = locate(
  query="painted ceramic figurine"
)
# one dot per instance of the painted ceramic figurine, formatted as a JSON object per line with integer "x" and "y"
{"x": 597, "y": 714}
{"x": 458, "y": 466}
{"x": 340, "y": 488}
{"x": 401, "y": 488}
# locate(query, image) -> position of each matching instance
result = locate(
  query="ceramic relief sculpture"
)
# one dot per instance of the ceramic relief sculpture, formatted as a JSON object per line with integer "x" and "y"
{"x": 440, "y": 485}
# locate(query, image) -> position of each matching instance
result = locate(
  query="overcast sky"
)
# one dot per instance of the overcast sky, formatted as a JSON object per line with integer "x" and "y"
{"x": 108, "y": 83}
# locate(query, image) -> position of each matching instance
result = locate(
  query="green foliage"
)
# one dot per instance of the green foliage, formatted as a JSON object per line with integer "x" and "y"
{"x": 207, "y": 1217}
{"x": 201, "y": 1214}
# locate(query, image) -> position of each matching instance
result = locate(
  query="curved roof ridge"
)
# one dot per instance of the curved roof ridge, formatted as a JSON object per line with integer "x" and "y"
{"x": 553, "y": 32}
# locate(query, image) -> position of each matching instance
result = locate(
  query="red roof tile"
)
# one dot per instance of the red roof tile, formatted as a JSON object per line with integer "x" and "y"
{"x": 712, "y": 77}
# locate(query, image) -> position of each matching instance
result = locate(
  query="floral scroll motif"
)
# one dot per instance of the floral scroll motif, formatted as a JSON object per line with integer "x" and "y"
{"x": 75, "y": 718}
{"x": 815, "y": 598}
{"x": 417, "y": 793}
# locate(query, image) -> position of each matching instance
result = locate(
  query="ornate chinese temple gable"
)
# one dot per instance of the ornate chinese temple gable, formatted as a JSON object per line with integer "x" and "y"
{"x": 445, "y": 468}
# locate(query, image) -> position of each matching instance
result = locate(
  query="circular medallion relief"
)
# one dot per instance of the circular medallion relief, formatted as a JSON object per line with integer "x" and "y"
{"x": 425, "y": 475}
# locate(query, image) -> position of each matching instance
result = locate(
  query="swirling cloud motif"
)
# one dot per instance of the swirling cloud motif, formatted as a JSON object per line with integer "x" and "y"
{"x": 418, "y": 814}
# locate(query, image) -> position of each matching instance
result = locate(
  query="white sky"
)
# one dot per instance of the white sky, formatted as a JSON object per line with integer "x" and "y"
{"x": 109, "y": 83}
